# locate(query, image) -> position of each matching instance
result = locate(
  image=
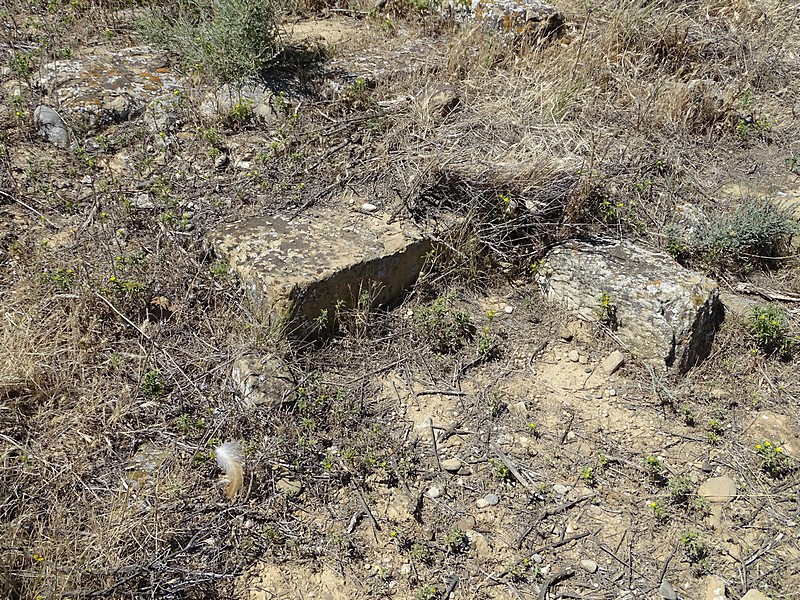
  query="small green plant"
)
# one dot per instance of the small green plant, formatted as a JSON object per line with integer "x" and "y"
{"x": 659, "y": 509}
{"x": 456, "y": 542}
{"x": 774, "y": 460}
{"x": 427, "y": 592}
{"x": 153, "y": 384}
{"x": 768, "y": 327}
{"x": 586, "y": 475}
{"x": 500, "y": 470}
{"x": 187, "y": 424}
{"x": 444, "y": 327}
{"x": 654, "y": 467}
{"x": 219, "y": 269}
{"x": 749, "y": 125}
{"x": 694, "y": 549}
{"x": 63, "y": 278}
{"x": 21, "y": 65}
{"x": 241, "y": 114}
{"x": 681, "y": 489}
{"x": 757, "y": 229}
{"x": 688, "y": 415}
{"x": 606, "y": 311}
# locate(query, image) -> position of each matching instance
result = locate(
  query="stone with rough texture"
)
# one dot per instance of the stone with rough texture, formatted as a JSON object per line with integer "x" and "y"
{"x": 252, "y": 100}
{"x": 451, "y": 464}
{"x": 298, "y": 272}
{"x": 715, "y": 588}
{"x": 103, "y": 87}
{"x": 589, "y": 565}
{"x": 439, "y": 100}
{"x": 754, "y": 595}
{"x": 263, "y": 381}
{"x": 50, "y": 126}
{"x": 666, "y": 591}
{"x": 531, "y": 19}
{"x": 666, "y": 315}
{"x": 718, "y": 489}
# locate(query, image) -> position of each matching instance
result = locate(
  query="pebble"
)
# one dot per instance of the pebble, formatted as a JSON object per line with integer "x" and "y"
{"x": 221, "y": 162}
{"x": 433, "y": 492}
{"x": 583, "y": 360}
{"x": 566, "y": 334}
{"x": 666, "y": 591}
{"x": 589, "y": 566}
{"x": 560, "y": 490}
{"x": 51, "y": 126}
{"x": 508, "y": 309}
{"x": 492, "y": 499}
{"x": 612, "y": 392}
{"x": 574, "y": 356}
{"x": 613, "y": 362}
{"x": 143, "y": 201}
{"x": 537, "y": 558}
{"x": 588, "y": 370}
{"x": 754, "y": 595}
{"x": 451, "y": 464}
{"x": 405, "y": 569}
{"x": 368, "y": 208}
{"x": 715, "y": 588}
{"x": 481, "y": 503}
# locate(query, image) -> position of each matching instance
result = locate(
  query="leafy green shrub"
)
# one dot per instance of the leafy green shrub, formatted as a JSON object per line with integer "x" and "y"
{"x": 229, "y": 40}
{"x": 444, "y": 327}
{"x": 768, "y": 327}
{"x": 758, "y": 228}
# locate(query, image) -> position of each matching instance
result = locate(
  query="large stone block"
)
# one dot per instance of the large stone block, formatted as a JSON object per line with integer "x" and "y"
{"x": 664, "y": 314}
{"x": 297, "y": 269}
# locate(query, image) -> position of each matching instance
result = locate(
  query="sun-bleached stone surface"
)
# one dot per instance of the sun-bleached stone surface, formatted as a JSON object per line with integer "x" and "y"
{"x": 299, "y": 271}
{"x": 663, "y": 313}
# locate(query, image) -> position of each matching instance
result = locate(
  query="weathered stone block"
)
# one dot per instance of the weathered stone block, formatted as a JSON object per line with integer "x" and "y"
{"x": 663, "y": 313}
{"x": 527, "y": 18}
{"x": 297, "y": 269}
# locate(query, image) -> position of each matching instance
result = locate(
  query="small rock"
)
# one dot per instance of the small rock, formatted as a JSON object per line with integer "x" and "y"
{"x": 290, "y": 487}
{"x": 583, "y": 360}
{"x": 613, "y": 362}
{"x": 718, "y": 489}
{"x": 433, "y": 492}
{"x": 519, "y": 408}
{"x": 508, "y": 309}
{"x": 405, "y": 569}
{"x": 589, "y": 566}
{"x": 143, "y": 201}
{"x": 666, "y": 591}
{"x": 368, "y": 208}
{"x": 560, "y": 490}
{"x": 439, "y": 100}
{"x": 754, "y": 595}
{"x": 466, "y": 523}
{"x": 715, "y": 588}
{"x": 714, "y": 519}
{"x": 479, "y": 542}
{"x": 481, "y": 503}
{"x": 574, "y": 356}
{"x": 566, "y": 334}
{"x": 492, "y": 499}
{"x": 451, "y": 464}
{"x": 612, "y": 392}
{"x": 537, "y": 558}
{"x": 571, "y": 435}
{"x": 221, "y": 161}
{"x": 51, "y": 126}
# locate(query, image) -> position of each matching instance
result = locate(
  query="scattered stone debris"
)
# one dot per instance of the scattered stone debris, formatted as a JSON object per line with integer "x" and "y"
{"x": 51, "y": 126}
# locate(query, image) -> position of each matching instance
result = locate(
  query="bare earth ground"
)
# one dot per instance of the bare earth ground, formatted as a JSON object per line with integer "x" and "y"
{"x": 570, "y": 482}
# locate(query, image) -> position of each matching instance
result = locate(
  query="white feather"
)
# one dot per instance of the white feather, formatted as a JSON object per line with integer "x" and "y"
{"x": 229, "y": 459}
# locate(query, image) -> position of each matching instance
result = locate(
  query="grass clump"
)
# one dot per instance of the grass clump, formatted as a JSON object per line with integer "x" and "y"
{"x": 769, "y": 328}
{"x": 228, "y": 40}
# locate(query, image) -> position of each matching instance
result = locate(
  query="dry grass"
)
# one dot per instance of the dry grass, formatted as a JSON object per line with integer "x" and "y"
{"x": 635, "y": 109}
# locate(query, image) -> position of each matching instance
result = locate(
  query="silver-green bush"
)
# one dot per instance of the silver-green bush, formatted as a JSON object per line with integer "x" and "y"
{"x": 228, "y": 40}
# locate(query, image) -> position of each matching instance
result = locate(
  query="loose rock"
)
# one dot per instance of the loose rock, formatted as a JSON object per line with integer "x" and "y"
{"x": 51, "y": 126}
{"x": 715, "y": 588}
{"x": 613, "y": 362}
{"x": 665, "y": 314}
{"x": 755, "y": 595}
{"x": 666, "y": 591}
{"x": 451, "y": 464}
{"x": 574, "y": 356}
{"x": 718, "y": 489}
{"x": 589, "y": 566}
